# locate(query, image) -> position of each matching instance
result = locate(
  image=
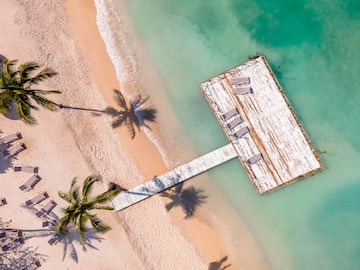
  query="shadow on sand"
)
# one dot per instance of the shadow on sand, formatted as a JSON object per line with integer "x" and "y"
{"x": 219, "y": 265}
{"x": 188, "y": 199}
{"x": 5, "y": 163}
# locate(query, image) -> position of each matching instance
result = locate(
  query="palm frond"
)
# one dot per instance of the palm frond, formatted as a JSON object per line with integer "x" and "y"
{"x": 120, "y": 99}
{"x": 87, "y": 186}
{"x": 81, "y": 226}
{"x": 46, "y": 103}
{"x": 25, "y": 70}
{"x": 74, "y": 191}
{"x": 106, "y": 196}
{"x": 99, "y": 207}
{"x": 23, "y": 111}
{"x": 98, "y": 225}
{"x": 46, "y": 73}
{"x": 62, "y": 224}
{"x": 64, "y": 196}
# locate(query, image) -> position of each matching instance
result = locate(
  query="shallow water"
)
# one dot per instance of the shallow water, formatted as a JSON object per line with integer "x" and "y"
{"x": 314, "y": 46}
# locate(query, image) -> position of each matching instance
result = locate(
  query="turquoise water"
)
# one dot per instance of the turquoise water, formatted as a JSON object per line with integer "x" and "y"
{"x": 315, "y": 223}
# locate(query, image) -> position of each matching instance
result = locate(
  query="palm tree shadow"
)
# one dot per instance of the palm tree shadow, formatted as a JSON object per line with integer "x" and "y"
{"x": 72, "y": 237}
{"x": 133, "y": 116}
{"x": 218, "y": 265}
{"x": 95, "y": 112}
{"x": 188, "y": 199}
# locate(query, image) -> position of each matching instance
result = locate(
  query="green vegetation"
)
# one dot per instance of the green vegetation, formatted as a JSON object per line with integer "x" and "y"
{"x": 77, "y": 213}
{"x": 16, "y": 89}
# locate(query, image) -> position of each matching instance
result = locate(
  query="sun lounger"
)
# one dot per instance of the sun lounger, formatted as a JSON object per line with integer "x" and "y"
{"x": 47, "y": 223}
{"x": 3, "y": 201}
{"x": 13, "y": 150}
{"x": 241, "y": 132}
{"x": 28, "y": 169}
{"x": 2, "y": 234}
{"x": 254, "y": 159}
{"x": 241, "y": 80}
{"x": 47, "y": 208}
{"x": 233, "y": 123}
{"x": 13, "y": 244}
{"x": 37, "y": 199}
{"x": 242, "y": 90}
{"x": 55, "y": 239}
{"x": 32, "y": 266}
{"x": 230, "y": 114}
{"x": 11, "y": 137}
{"x": 30, "y": 183}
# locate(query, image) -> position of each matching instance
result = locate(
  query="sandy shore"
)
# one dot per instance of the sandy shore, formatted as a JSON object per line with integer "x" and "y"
{"x": 76, "y": 143}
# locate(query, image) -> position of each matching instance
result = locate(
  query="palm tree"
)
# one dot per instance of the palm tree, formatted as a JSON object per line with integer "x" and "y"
{"x": 16, "y": 88}
{"x": 132, "y": 116}
{"x": 188, "y": 199}
{"x": 77, "y": 213}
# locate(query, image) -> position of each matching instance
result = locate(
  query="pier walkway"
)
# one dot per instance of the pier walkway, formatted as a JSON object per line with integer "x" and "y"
{"x": 173, "y": 177}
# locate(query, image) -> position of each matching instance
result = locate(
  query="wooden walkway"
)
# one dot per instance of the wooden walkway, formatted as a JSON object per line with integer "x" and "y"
{"x": 173, "y": 177}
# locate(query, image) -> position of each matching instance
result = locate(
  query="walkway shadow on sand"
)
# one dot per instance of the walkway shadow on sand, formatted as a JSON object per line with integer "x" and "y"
{"x": 188, "y": 199}
{"x": 219, "y": 265}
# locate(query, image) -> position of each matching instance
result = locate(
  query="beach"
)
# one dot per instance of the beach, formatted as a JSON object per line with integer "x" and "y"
{"x": 71, "y": 143}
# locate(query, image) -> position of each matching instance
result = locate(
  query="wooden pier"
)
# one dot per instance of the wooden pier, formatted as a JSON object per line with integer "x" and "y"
{"x": 265, "y": 131}
{"x": 173, "y": 177}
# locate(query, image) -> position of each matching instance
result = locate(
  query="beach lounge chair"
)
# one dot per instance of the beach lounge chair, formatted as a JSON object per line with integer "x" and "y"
{"x": 55, "y": 239}
{"x": 240, "y": 80}
{"x": 47, "y": 223}
{"x": 37, "y": 199}
{"x": 46, "y": 209}
{"x": 13, "y": 244}
{"x": 254, "y": 159}
{"x": 2, "y": 234}
{"x": 29, "y": 169}
{"x": 230, "y": 114}
{"x": 11, "y": 137}
{"x": 32, "y": 266}
{"x": 13, "y": 150}
{"x": 242, "y": 90}
{"x": 241, "y": 132}
{"x": 233, "y": 123}
{"x": 3, "y": 201}
{"x": 30, "y": 183}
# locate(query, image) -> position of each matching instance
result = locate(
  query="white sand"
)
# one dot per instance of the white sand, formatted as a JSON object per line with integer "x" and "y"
{"x": 76, "y": 143}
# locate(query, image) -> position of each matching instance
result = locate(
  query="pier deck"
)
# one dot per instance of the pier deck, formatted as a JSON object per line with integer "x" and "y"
{"x": 173, "y": 177}
{"x": 276, "y": 150}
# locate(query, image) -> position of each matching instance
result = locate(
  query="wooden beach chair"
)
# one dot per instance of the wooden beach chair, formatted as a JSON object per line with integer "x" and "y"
{"x": 230, "y": 114}
{"x": 241, "y": 132}
{"x": 13, "y": 244}
{"x": 37, "y": 199}
{"x": 56, "y": 239}
{"x": 254, "y": 159}
{"x": 240, "y": 80}
{"x": 11, "y": 137}
{"x": 24, "y": 168}
{"x": 3, "y": 201}
{"x": 13, "y": 150}
{"x": 242, "y": 90}
{"x": 30, "y": 183}
{"x": 32, "y": 266}
{"x": 46, "y": 209}
{"x": 235, "y": 122}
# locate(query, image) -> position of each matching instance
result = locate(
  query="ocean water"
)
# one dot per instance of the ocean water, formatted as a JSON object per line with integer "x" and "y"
{"x": 314, "y": 47}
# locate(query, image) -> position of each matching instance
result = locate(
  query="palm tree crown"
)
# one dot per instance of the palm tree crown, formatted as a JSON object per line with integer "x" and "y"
{"x": 77, "y": 213}
{"x": 16, "y": 88}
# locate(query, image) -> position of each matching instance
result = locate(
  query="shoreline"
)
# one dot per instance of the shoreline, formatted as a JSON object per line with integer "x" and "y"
{"x": 147, "y": 231}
